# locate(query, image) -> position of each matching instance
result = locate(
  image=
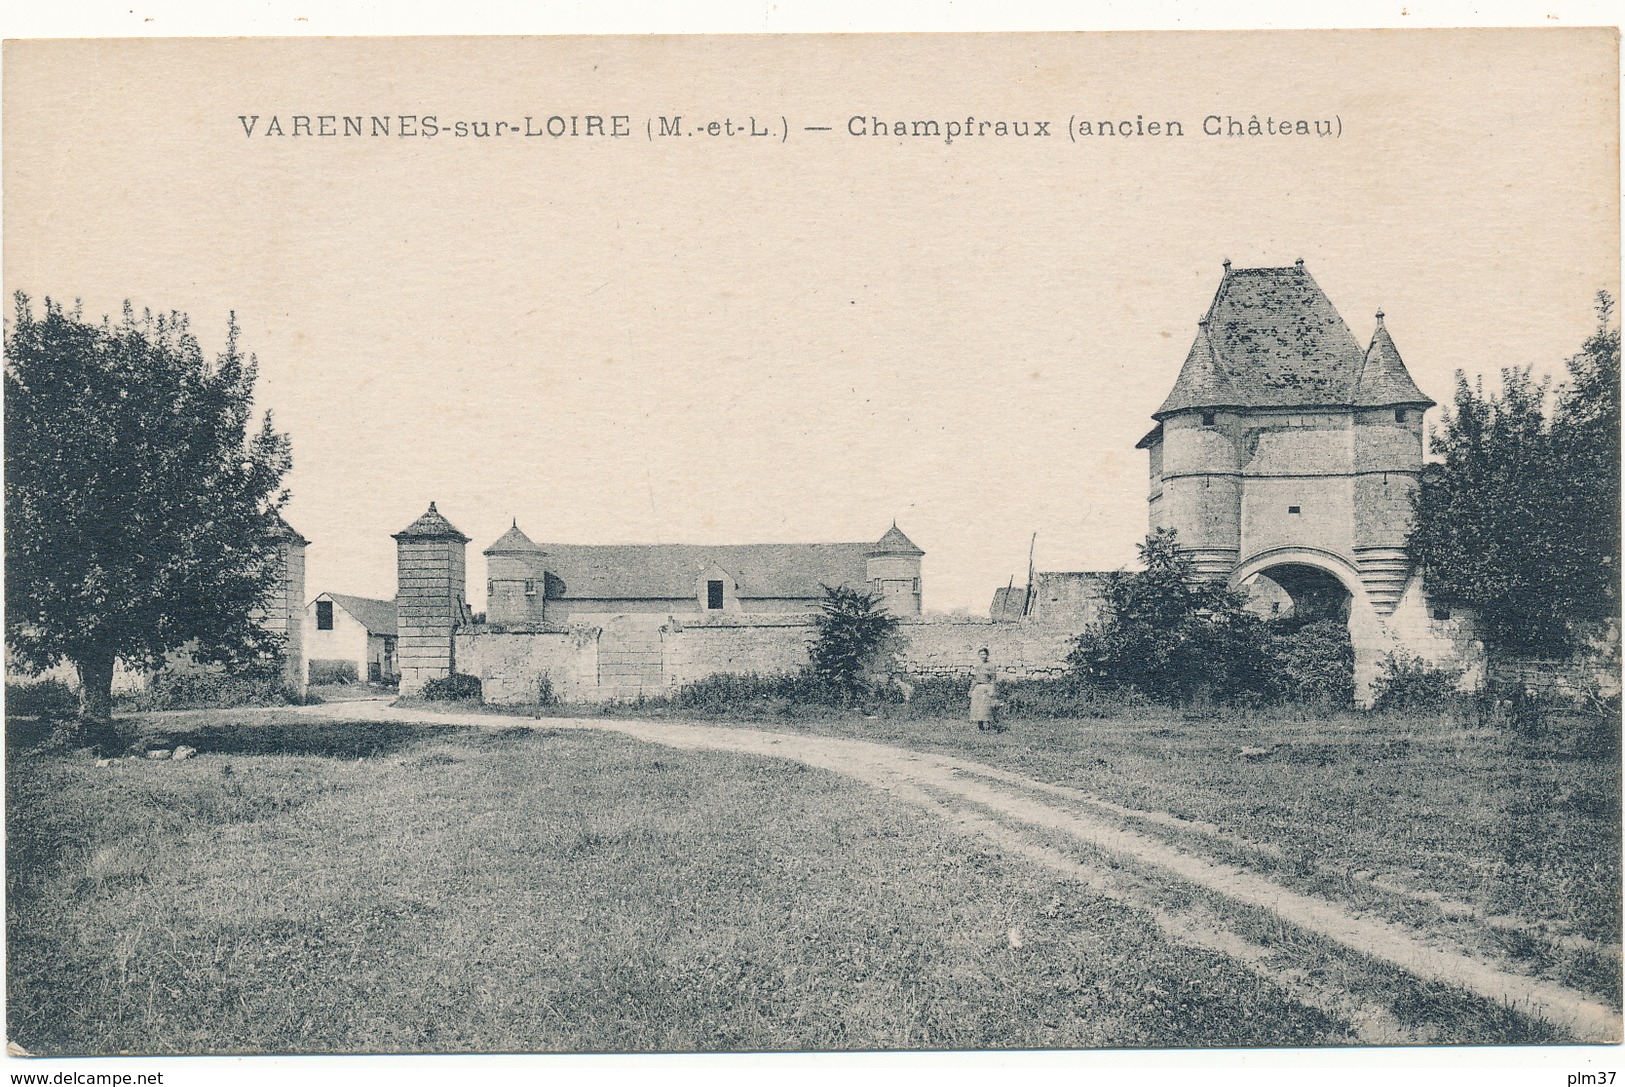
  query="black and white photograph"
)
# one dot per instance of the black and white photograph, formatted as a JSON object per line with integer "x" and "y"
{"x": 991, "y": 543}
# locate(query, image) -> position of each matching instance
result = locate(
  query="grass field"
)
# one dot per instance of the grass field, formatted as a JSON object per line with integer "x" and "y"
{"x": 313, "y": 887}
{"x": 1412, "y": 816}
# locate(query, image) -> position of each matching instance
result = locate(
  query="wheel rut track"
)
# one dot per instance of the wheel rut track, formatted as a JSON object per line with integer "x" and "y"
{"x": 1001, "y": 807}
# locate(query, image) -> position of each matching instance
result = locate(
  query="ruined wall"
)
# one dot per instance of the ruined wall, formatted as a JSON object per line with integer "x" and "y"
{"x": 949, "y": 646}
{"x": 694, "y": 650}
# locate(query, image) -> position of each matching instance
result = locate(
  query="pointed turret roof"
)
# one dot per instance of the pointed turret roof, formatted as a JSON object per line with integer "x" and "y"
{"x": 1271, "y": 338}
{"x": 895, "y": 543}
{"x": 513, "y": 540}
{"x": 431, "y": 526}
{"x": 1202, "y": 382}
{"x": 1384, "y": 381}
{"x": 281, "y": 530}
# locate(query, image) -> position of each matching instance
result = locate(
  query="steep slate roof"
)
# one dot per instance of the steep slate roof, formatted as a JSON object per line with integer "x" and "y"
{"x": 1272, "y": 339}
{"x": 512, "y": 540}
{"x": 672, "y": 571}
{"x": 1384, "y": 381}
{"x": 895, "y": 543}
{"x": 283, "y": 531}
{"x": 431, "y": 526}
{"x": 378, "y": 616}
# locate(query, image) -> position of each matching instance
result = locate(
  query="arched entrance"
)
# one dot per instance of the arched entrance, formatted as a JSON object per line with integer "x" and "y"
{"x": 1303, "y": 585}
{"x": 1297, "y": 594}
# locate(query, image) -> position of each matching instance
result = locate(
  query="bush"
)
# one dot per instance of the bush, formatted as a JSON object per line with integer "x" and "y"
{"x": 1314, "y": 663}
{"x": 1410, "y": 683}
{"x": 545, "y": 695}
{"x": 211, "y": 690}
{"x": 1172, "y": 636}
{"x": 851, "y": 651}
{"x": 333, "y": 671}
{"x": 49, "y": 699}
{"x": 756, "y": 692}
{"x": 453, "y": 688}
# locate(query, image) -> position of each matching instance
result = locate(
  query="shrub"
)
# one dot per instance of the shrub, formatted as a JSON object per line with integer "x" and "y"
{"x": 850, "y": 651}
{"x": 456, "y": 687}
{"x": 725, "y": 692}
{"x": 1171, "y": 636}
{"x": 1405, "y": 682}
{"x": 332, "y": 671}
{"x": 49, "y": 699}
{"x": 545, "y": 695}
{"x": 211, "y": 690}
{"x": 1314, "y": 663}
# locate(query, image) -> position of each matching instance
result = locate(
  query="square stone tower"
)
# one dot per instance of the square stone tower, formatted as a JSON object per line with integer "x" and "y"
{"x": 431, "y": 578}
{"x": 285, "y": 610}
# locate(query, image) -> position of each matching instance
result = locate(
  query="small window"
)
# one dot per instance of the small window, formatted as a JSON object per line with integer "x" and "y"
{"x": 713, "y": 595}
{"x": 1441, "y": 613}
{"x": 530, "y": 588}
{"x": 490, "y": 587}
{"x": 1399, "y": 415}
{"x": 324, "y": 615}
{"x": 1294, "y": 509}
{"x": 1208, "y": 418}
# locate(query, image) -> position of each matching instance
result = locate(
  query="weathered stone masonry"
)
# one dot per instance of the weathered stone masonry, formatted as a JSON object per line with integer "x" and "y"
{"x": 432, "y": 583}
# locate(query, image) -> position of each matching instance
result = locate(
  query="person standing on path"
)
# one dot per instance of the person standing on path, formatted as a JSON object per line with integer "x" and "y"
{"x": 984, "y": 694}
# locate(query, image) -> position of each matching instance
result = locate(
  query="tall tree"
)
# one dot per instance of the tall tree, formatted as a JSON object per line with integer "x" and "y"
{"x": 141, "y": 501}
{"x": 1521, "y": 521}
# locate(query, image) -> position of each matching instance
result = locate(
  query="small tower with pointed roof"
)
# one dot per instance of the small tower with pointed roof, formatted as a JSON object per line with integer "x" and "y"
{"x": 894, "y": 572}
{"x": 431, "y": 597}
{"x": 516, "y": 585}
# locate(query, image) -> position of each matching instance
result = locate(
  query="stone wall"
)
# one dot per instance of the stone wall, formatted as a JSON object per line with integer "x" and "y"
{"x": 1593, "y": 670}
{"x": 767, "y": 645}
{"x": 630, "y": 656}
{"x": 512, "y": 665}
{"x": 950, "y": 646}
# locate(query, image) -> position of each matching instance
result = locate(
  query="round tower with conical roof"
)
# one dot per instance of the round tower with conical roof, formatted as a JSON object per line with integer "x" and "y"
{"x": 894, "y": 572}
{"x": 1388, "y": 409}
{"x": 516, "y": 581}
{"x": 431, "y": 597}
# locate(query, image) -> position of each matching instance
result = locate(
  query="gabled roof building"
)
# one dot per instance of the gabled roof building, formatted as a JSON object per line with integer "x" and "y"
{"x": 531, "y": 584}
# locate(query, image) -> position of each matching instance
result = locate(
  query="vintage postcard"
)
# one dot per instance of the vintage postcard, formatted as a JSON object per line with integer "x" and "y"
{"x": 1056, "y": 541}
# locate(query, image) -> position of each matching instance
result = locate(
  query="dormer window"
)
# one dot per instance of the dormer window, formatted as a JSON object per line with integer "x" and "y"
{"x": 713, "y": 596}
{"x": 530, "y": 587}
{"x": 324, "y": 615}
{"x": 1208, "y": 418}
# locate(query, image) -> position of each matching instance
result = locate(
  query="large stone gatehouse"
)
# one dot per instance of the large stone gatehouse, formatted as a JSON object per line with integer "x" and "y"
{"x": 1287, "y": 458}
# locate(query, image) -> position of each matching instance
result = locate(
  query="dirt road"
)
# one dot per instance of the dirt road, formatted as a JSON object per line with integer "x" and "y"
{"x": 1127, "y": 855}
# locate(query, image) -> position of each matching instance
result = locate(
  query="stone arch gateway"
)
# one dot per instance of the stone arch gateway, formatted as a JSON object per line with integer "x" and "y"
{"x": 1286, "y": 451}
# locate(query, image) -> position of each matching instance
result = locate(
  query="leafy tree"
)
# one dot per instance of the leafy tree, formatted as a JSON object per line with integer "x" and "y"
{"x": 852, "y": 636}
{"x": 1172, "y": 636}
{"x": 141, "y": 503}
{"x": 1585, "y": 428}
{"x": 1521, "y": 521}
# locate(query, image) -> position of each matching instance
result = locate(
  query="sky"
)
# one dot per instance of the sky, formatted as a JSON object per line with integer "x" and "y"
{"x": 738, "y": 339}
